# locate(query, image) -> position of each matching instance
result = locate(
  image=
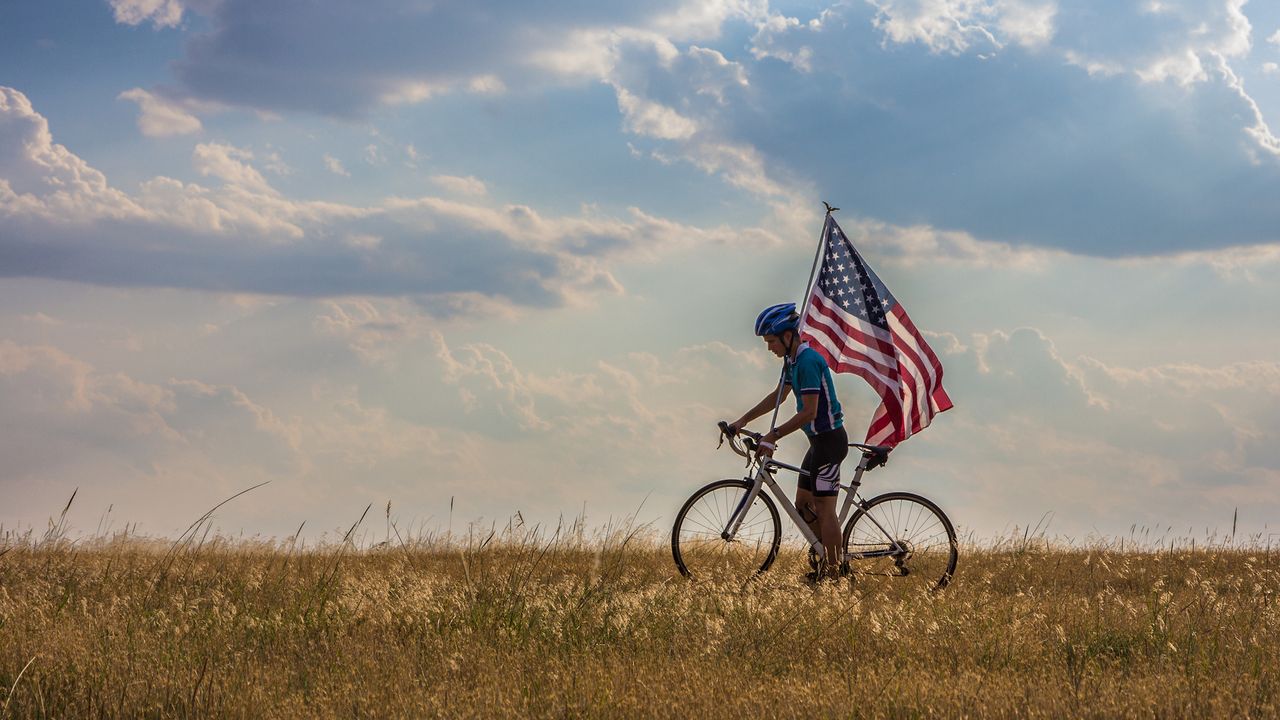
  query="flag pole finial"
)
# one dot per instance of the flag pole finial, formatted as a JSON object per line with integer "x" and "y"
{"x": 829, "y": 208}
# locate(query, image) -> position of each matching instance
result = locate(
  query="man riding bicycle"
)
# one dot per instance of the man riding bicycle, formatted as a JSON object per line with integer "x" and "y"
{"x": 818, "y": 413}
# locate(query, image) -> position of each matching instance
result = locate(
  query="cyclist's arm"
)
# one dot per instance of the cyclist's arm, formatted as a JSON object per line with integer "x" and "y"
{"x": 808, "y": 411}
{"x": 764, "y": 406}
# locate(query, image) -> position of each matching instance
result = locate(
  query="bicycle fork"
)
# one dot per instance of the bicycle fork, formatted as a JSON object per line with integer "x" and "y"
{"x": 740, "y": 512}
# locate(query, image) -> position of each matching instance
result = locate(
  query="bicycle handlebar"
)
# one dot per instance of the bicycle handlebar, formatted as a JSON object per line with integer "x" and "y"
{"x": 751, "y": 439}
{"x": 874, "y": 455}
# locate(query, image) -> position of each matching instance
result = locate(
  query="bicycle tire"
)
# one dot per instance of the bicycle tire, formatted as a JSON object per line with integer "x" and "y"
{"x": 925, "y": 534}
{"x": 699, "y": 550}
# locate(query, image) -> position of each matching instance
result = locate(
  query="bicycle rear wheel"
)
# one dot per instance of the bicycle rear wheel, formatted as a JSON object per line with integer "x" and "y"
{"x": 697, "y": 543}
{"x": 902, "y": 535}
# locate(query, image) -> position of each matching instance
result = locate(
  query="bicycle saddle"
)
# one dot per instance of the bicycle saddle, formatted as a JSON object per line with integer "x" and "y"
{"x": 875, "y": 455}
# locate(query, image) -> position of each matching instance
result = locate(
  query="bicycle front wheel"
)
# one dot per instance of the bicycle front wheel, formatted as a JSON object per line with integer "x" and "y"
{"x": 698, "y": 544}
{"x": 902, "y": 535}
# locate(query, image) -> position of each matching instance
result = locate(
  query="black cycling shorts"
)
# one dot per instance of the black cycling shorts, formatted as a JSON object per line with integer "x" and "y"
{"x": 822, "y": 463}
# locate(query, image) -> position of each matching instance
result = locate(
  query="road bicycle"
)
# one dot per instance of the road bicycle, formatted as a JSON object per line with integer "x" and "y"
{"x": 730, "y": 529}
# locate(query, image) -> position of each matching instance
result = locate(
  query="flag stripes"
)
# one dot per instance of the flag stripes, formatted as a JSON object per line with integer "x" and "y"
{"x": 856, "y": 324}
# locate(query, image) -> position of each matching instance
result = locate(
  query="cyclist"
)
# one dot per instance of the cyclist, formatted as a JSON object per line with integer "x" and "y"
{"x": 818, "y": 413}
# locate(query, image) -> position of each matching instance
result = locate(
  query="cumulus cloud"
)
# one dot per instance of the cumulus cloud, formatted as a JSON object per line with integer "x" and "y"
{"x": 231, "y": 165}
{"x": 651, "y": 77}
{"x": 776, "y": 37}
{"x": 163, "y": 453}
{"x": 42, "y": 178}
{"x": 1260, "y": 131}
{"x": 1159, "y": 41}
{"x": 921, "y": 244}
{"x": 1161, "y": 444}
{"x": 372, "y": 328}
{"x": 244, "y": 235}
{"x": 335, "y": 166}
{"x": 347, "y": 61}
{"x": 437, "y": 52}
{"x": 1091, "y": 169}
{"x": 952, "y": 26}
{"x": 645, "y": 117}
{"x": 1029, "y": 24}
{"x": 161, "y": 13}
{"x": 1174, "y": 41}
{"x": 58, "y": 402}
{"x": 469, "y": 185}
{"x": 158, "y": 117}
{"x": 664, "y": 398}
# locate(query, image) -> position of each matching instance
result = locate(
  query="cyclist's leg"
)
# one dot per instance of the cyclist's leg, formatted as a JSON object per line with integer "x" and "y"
{"x": 805, "y": 505}
{"x": 829, "y": 528}
{"x": 814, "y": 507}
{"x": 828, "y": 450}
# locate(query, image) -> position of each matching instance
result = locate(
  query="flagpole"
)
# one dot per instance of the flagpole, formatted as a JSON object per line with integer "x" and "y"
{"x": 813, "y": 270}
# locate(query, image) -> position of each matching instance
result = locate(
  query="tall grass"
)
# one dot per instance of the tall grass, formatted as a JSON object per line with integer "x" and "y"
{"x": 569, "y": 622}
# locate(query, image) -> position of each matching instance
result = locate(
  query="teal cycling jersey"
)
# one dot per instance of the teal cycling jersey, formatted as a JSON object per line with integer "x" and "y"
{"x": 808, "y": 374}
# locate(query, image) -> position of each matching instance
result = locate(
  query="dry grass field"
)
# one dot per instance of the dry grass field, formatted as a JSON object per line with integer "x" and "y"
{"x": 575, "y": 624}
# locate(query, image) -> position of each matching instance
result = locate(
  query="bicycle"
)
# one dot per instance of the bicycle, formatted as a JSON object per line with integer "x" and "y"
{"x": 730, "y": 529}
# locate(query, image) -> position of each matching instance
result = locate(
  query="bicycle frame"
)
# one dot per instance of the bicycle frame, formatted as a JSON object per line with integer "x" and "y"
{"x": 764, "y": 477}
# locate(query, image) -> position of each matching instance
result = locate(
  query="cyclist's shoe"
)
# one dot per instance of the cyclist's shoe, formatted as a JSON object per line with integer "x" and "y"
{"x": 829, "y": 575}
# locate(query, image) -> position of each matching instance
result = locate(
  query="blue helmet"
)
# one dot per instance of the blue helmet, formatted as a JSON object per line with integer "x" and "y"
{"x": 776, "y": 319}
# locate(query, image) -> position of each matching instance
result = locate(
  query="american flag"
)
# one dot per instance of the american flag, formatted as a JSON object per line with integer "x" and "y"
{"x": 856, "y": 324}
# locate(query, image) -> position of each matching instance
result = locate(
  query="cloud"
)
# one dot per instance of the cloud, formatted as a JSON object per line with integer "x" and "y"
{"x": 242, "y": 235}
{"x": 231, "y": 165}
{"x": 372, "y": 328}
{"x": 1260, "y": 131}
{"x": 1174, "y": 443}
{"x": 158, "y": 117}
{"x": 335, "y": 166}
{"x": 345, "y": 62}
{"x": 469, "y": 185}
{"x": 922, "y": 244}
{"x": 483, "y": 369}
{"x": 605, "y": 408}
{"x": 951, "y": 26}
{"x": 39, "y": 177}
{"x": 651, "y": 77}
{"x": 1029, "y": 24}
{"x": 163, "y": 453}
{"x": 65, "y": 410}
{"x": 161, "y": 13}
{"x": 486, "y": 85}
{"x": 275, "y": 164}
{"x": 777, "y": 37}
{"x": 1158, "y": 41}
{"x": 645, "y": 117}
{"x": 438, "y": 52}
{"x": 1088, "y": 164}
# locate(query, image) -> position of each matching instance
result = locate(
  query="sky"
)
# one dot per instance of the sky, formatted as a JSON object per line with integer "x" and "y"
{"x": 474, "y": 259}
